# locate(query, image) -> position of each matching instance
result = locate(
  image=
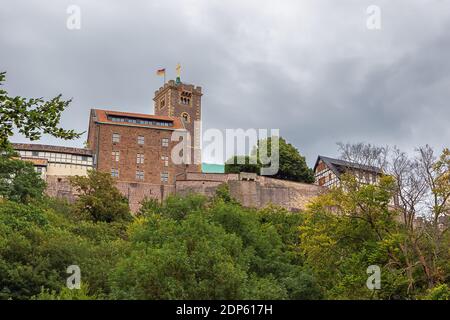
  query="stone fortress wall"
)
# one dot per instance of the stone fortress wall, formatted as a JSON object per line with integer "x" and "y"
{"x": 250, "y": 190}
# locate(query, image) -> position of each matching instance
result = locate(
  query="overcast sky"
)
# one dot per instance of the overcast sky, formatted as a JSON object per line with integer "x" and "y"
{"x": 311, "y": 68}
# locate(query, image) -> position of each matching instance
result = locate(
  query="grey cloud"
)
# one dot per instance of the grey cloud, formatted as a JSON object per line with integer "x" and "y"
{"x": 310, "y": 68}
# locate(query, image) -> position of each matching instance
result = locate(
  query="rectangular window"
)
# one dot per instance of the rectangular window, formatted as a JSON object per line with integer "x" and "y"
{"x": 165, "y": 160}
{"x": 115, "y": 173}
{"x": 165, "y": 142}
{"x": 164, "y": 176}
{"x": 139, "y": 175}
{"x": 115, "y": 156}
{"x": 116, "y": 137}
{"x": 140, "y": 140}
{"x": 140, "y": 158}
{"x": 34, "y": 153}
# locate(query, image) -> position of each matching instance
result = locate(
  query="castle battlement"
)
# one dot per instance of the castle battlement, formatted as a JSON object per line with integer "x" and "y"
{"x": 171, "y": 84}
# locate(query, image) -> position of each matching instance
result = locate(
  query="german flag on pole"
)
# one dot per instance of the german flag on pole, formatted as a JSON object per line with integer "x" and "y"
{"x": 161, "y": 72}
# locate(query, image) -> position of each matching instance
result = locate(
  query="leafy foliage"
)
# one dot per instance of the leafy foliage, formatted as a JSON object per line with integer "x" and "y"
{"x": 99, "y": 199}
{"x": 18, "y": 180}
{"x": 292, "y": 166}
{"x": 193, "y": 247}
{"x": 31, "y": 117}
{"x": 187, "y": 247}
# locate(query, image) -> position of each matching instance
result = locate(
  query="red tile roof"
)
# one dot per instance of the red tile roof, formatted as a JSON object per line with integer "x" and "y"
{"x": 102, "y": 116}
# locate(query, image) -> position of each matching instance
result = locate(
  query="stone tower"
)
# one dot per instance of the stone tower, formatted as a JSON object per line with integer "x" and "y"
{"x": 181, "y": 100}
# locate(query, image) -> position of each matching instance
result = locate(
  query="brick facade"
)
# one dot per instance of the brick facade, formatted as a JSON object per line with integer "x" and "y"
{"x": 184, "y": 102}
{"x": 133, "y": 153}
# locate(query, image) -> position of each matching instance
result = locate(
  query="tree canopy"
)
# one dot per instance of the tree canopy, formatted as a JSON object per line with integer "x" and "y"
{"x": 18, "y": 180}
{"x": 31, "y": 117}
{"x": 292, "y": 165}
{"x": 98, "y": 198}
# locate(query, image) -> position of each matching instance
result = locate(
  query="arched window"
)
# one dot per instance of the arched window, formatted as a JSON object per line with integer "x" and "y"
{"x": 185, "y": 117}
{"x": 185, "y": 98}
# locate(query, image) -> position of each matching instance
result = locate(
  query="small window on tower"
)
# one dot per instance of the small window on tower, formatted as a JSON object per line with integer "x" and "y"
{"x": 140, "y": 140}
{"x": 185, "y": 117}
{"x": 162, "y": 103}
{"x": 185, "y": 98}
{"x": 165, "y": 142}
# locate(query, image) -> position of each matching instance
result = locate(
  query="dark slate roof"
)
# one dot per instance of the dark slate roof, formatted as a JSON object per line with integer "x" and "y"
{"x": 339, "y": 166}
{"x": 50, "y": 148}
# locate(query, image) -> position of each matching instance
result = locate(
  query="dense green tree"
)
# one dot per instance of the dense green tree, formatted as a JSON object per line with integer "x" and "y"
{"x": 350, "y": 229}
{"x": 292, "y": 165}
{"x": 18, "y": 180}
{"x": 238, "y": 164}
{"x": 189, "y": 259}
{"x": 174, "y": 240}
{"x": 37, "y": 244}
{"x": 31, "y": 117}
{"x": 99, "y": 199}
{"x": 66, "y": 294}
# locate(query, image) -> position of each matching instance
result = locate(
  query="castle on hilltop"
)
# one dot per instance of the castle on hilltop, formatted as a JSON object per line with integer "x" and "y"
{"x": 136, "y": 149}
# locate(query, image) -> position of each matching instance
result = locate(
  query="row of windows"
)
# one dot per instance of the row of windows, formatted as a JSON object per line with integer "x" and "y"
{"x": 164, "y": 176}
{"x": 115, "y": 157}
{"x": 160, "y": 123}
{"x": 140, "y": 140}
{"x": 57, "y": 157}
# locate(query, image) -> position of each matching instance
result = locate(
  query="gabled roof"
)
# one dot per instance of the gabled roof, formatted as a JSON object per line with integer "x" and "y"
{"x": 339, "y": 166}
{"x": 103, "y": 116}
